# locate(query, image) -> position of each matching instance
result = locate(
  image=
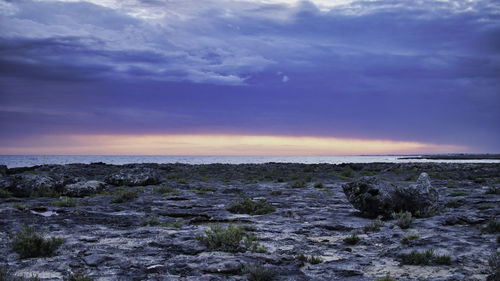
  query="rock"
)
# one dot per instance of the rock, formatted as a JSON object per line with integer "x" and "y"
{"x": 3, "y": 170}
{"x": 374, "y": 197}
{"x": 25, "y": 184}
{"x": 225, "y": 267}
{"x": 134, "y": 177}
{"x": 86, "y": 188}
{"x": 95, "y": 259}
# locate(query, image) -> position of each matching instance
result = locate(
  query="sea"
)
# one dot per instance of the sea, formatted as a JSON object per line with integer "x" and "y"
{"x": 13, "y": 161}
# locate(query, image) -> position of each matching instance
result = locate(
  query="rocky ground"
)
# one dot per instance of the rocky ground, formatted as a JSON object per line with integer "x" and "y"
{"x": 107, "y": 236}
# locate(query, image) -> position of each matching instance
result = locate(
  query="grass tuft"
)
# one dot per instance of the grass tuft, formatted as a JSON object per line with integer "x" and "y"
{"x": 65, "y": 202}
{"x": 374, "y": 225}
{"x": 352, "y": 239}
{"x": 257, "y": 272}
{"x": 150, "y": 221}
{"x": 251, "y": 207}
{"x": 404, "y": 219}
{"x": 387, "y": 277}
{"x": 426, "y": 258}
{"x": 408, "y": 238}
{"x": 77, "y": 277}
{"x": 124, "y": 194}
{"x": 29, "y": 244}
{"x": 231, "y": 239}
{"x": 166, "y": 191}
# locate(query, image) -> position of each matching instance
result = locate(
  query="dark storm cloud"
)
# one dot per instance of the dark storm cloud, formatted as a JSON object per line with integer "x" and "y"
{"x": 426, "y": 71}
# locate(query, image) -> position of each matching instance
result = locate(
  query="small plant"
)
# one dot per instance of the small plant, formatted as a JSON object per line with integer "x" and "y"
{"x": 28, "y": 244}
{"x": 426, "y": 258}
{"x": 77, "y": 277}
{"x": 319, "y": 185}
{"x": 404, "y": 219}
{"x": 297, "y": 184}
{"x": 408, "y": 238}
{"x": 8, "y": 275}
{"x": 352, "y": 239}
{"x": 493, "y": 190}
{"x": 258, "y": 273}
{"x": 374, "y": 225}
{"x": 166, "y": 191}
{"x": 251, "y": 207}
{"x": 45, "y": 191}
{"x": 386, "y": 278}
{"x": 4, "y": 193}
{"x": 65, "y": 202}
{"x": 310, "y": 259}
{"x": 493, "y": 226}
{"x": 182, "y": 181}
{"x": 485, "y": 207}
{"x": 177, "y": 224}
{"x": 203, "y": 190}
{"x": 458, "y": 193}
{"x": 494, "y": 263}
{"x": 454, "y": 203}
{"x": 123, "y": 195}
{"x": 150, "y": 220}
{"x": 230, "y": 239}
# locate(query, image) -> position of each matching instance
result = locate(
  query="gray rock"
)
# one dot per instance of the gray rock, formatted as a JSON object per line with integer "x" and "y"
{"x": 225, "y": 267}
{"x": 25, "y": 184}
{"x": 374, "y": 197}
{"x": 3, "y": 170}
{"x": 86, "y": 188}
{"x": 134, "y": 177}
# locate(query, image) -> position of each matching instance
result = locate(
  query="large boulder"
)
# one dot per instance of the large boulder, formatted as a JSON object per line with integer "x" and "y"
{"x": 84, "y": 188}
{"x": 134, "y": 177}
{"x": 25, "y": 184}
{"x": 374, "y": 197}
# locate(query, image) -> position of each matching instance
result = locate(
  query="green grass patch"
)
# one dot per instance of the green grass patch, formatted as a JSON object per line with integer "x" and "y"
{"x": 230, "y": 239}
{"x": 65, "y": 202}
{"x": 374, "y": 225}
{"x": 319, "y": 185}
{"x": 175, "y": 224}
{"x": 387, "y": 277}
{"x": 45, "y": 191}
{"x": 404, "y": 219}
{"x": 457, "y": 193}
{"x": 485, "y": 207}
{"x": 78, "y": 277}
{"x": 150, "y": 221}
{"x": 425, "y": 258}
{"x": 166, "y": 190}
{"x": 124, "y": 194}
{"x": 203, "y": 190}
{"x": 406, "y": 239}
{"x": 251, "y": 207}
{"x": 297, "y": 184}
{"x": 310, "y": 259}
{"x": 29, "y": 244}
{"x": 352, "y": 239}
{"x": 257, "y": 272}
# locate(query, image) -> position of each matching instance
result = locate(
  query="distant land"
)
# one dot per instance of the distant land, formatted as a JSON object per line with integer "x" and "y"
{"x": 455, "y": 156}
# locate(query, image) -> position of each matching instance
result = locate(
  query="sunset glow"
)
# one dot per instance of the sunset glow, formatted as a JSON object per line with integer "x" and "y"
{"x": 218, "y": 145}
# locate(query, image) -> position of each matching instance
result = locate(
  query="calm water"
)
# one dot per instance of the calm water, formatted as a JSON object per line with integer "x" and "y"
{"x": 31, "y": 160}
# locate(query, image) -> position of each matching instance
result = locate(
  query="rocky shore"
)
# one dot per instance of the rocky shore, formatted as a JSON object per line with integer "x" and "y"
{"x": 251, "y": 222}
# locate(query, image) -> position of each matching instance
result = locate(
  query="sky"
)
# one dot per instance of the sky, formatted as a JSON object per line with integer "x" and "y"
{"x": 262, "y": 77}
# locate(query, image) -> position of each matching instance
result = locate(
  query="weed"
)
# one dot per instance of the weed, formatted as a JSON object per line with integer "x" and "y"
{"x": 123, "y": 195}
{"x": 257, "y": 272}
{"x": 406, "y": 239}
{"x": 297, "y": 184}
{"x": 485, "y": 207}
{"x": 310, "y": 259}
{"x": 230, "y": 239}
{"x": 166, "y": 191}
{"x": 458, "y": 193}
{"x": 386, "y": 278}
{"x": 177, "y": 224}
{"x": 374, "y": 225}
{"x": 5, "y": 193}
{"x": 426, "y": 258}
{"x": 493, "y": 190}
{"x": 77, "y": 277}
{"x": 182, "y": 181}
{"x": 494, "y": 263}
{"x": 150, "y": 220}
{"x": 28, "y": 244}
{"x": 251, "y": 207}
{"x": 203, "y": 190}
{"x": 454, "y": 203}
{"x": 493, "y": 226}
{"x": 8, "y": 275}
{"x": 352, "y": 239}
{"x": 319, "y": 185}
{"x": 65, "y": 202}
{"x": 404, "y": 219}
